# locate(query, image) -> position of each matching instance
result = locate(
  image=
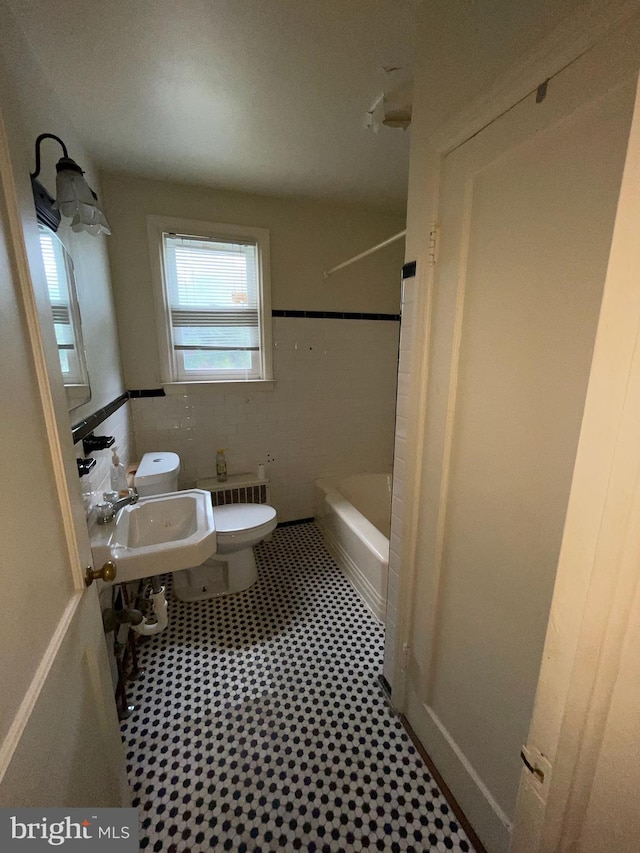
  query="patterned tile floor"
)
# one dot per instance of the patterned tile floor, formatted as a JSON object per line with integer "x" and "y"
{"x": 261, "y": 725}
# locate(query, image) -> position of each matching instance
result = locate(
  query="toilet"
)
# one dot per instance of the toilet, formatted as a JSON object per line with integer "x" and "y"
{"x": 239, "y": 527}
{"x": 233, "y": 567}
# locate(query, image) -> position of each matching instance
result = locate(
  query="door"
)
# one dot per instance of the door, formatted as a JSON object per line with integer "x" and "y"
{"x": 586, "y": 725}
{"x": 526, "y": 218}
{"x": 60, "y": 743}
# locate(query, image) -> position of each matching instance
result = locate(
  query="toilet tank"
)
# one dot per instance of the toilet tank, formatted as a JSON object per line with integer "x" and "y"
{"x": 157, "y": 473}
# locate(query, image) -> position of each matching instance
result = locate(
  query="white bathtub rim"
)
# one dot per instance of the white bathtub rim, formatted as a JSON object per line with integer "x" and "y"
{"x": 330, "y": 487}
{"x": 332, "y": 504}
{"x": 377, "y": 541}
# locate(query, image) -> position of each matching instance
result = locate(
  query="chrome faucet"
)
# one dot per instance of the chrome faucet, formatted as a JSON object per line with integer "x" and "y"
{"x": 106, "y": 511}
{"x": 118, "y": 503}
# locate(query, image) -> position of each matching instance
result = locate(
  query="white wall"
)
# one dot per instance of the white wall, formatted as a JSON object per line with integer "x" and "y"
{"x": 332, "y": 405}
{"x": 307, "y": 237}
{"x": 32, "y": 108}
{"x": 465, "y": 50}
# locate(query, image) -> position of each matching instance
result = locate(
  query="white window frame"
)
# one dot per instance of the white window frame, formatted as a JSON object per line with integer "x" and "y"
{"x": 157, "y": 227}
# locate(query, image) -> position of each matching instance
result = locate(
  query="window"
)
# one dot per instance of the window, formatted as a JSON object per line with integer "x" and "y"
{"x": 212, "y": 298}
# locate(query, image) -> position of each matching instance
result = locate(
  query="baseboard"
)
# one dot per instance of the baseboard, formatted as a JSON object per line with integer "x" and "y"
{"x": 455, "y": 805}
{"x": 489, "y": 821}
{"x": 385, "y": 686}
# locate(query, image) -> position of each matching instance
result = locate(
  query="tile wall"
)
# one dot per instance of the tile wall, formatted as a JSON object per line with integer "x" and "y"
{"x": 331, "y": 410}
{"x": 399, "y": 478}
{"x": 97, "y": 481}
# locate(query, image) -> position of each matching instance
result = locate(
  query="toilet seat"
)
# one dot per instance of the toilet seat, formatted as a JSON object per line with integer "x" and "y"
{"x": 242, "y": 524}
{"x": 236, "y": 518}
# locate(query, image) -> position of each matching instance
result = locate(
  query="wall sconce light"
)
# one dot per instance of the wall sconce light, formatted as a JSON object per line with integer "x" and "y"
{"x": 74, "y": 196}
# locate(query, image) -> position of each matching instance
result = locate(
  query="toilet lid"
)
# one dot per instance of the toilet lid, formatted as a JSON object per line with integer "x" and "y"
{"x": 234, "y": 518}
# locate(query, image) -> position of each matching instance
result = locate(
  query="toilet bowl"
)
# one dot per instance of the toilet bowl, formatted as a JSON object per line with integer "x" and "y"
{"x": 233, "y": 567}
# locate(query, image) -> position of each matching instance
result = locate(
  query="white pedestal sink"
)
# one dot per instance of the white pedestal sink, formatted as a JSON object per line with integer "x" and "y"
{"x": 162, "y": 533}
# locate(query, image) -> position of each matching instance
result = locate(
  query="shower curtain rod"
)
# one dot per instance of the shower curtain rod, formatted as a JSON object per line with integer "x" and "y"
{"x": 370, "y": 251}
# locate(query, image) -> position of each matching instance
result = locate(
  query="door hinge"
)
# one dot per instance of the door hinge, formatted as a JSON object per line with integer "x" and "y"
{"x": 539, "y": 766}
{"x": 433, "y": 244}
{"x": 537, "y": 772}
{"x": 406, "y": 650}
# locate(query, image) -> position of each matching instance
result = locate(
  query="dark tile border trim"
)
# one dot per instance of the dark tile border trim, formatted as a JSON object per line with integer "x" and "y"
{"x": 82, "y": 429}
{"x": 462, "y": 818}
{"x": 409, "y": 270}
{"x": 334, "y": 315}
{"x": 295, "y": 521}
{"x": 147, "y": 392}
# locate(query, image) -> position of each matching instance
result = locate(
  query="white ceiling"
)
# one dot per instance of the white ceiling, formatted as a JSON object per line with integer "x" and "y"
{"x": 266, "y": 96}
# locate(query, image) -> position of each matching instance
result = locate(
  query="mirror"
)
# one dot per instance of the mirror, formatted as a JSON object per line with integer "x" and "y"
{"x": 61, "y": 283}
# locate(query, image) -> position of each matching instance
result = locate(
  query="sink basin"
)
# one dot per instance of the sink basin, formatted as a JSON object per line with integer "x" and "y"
{"x": 161, "y": 533}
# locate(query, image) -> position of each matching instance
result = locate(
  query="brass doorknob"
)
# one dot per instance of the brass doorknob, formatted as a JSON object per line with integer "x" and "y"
{"x": 107, "y": 573}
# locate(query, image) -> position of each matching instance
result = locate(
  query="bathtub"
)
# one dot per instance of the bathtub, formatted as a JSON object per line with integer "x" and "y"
{"x": 354, "y": 515}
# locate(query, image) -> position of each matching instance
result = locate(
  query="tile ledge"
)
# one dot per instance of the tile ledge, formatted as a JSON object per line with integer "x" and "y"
{"x": 186, "y": 387}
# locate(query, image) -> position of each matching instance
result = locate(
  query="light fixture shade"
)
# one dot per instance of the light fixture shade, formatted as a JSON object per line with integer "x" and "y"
{"x": 76, "y": 199}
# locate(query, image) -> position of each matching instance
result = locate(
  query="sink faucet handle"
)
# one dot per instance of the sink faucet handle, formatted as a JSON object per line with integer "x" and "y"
{"x": 110, "y": 496}
{"x": 104, "y": 512}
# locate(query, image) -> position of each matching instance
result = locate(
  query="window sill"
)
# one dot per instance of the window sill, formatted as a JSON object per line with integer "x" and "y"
{"x": 239, "y": 384}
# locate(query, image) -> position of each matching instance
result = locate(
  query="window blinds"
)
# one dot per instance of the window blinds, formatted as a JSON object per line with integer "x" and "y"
{"x": 53, "y": 264}
{"x": 212, "y": 292}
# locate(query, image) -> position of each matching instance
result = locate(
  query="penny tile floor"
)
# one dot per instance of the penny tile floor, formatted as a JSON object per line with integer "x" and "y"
{"x": 261, "y": 725}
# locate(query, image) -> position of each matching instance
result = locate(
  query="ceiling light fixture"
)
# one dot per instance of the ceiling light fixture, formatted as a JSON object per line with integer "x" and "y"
{"x": 74, "y": 196}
